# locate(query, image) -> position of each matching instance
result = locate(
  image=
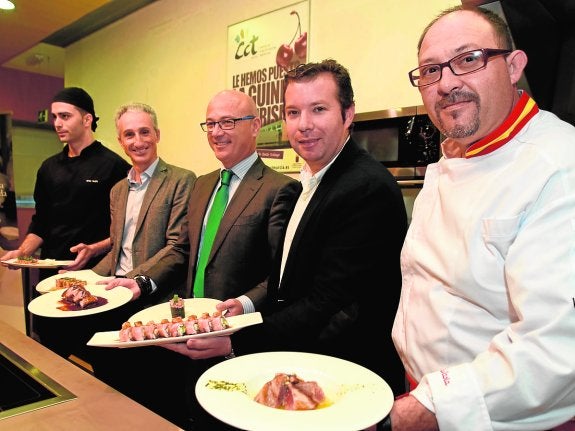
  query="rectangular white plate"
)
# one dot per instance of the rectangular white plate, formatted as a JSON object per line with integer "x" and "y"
{"x": 112, "y": 339}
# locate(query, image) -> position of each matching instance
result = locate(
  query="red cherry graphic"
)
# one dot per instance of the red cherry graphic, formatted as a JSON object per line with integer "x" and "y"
{"x": 284, "y": 56}
{"x": 285, "y": 52}
{"x": 300, "y": 47}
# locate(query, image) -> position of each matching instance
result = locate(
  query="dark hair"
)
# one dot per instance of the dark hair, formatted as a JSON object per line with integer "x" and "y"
{"x": 497, "y": 23}
{"x": 80, "y": 99}
{"x": 308, "y": 72}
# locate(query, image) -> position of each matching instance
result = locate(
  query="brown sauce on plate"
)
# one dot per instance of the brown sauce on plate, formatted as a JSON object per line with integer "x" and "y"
{"x": 68, "y": 306}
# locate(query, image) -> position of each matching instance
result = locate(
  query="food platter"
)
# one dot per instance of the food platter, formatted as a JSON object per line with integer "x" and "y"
{"x": 40, "y": 263}
{"x": 47, "y": 305}
{"x": 111, "y": 338}
{"x": 357, "y": 397}
{"x": 49, "y": 283}
{"x": 162, "y": 311}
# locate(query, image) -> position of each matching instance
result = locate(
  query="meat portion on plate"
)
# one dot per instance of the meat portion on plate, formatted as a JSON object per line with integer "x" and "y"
{"x": 78, "y": 295}
{"x": 289, "y": 392}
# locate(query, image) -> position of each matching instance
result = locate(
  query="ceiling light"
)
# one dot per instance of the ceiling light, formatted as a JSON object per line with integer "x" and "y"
{"x": 6, "y": 4}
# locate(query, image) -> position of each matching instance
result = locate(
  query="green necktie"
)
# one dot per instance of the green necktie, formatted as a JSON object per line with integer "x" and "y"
{"x": 214, "y": 218}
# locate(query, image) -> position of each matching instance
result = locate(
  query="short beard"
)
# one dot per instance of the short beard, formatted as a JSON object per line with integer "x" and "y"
{"x": 459, "y": 131}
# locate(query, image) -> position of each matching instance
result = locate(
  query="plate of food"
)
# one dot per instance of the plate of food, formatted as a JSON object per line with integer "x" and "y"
{"x": 329, "y": 393}
{"x": 79, "y": 300}
{"x": 32, "y": 262}
{"x": 137, "y": 333}
{"x": 66, "y": 279}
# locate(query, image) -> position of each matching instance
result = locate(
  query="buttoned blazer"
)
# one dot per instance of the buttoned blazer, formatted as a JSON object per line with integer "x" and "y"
{"x": 163, "y": 211}
{"x": 241, "y": 255}
{"x": 342, "y": 278}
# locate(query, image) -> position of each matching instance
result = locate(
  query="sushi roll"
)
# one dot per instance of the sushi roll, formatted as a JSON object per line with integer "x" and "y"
{"x": 177, "y": 328}
{"x": 191, "y": 325}
{"x": 204, "y": 323}
{"x": 163, "y": 328}
{"x": 150, "y": 331}
{"x": 218, "y": 321}
{"x": 177, "y": 307}
{"x": 138, "y": 331}
{"x": 126, "y": 332}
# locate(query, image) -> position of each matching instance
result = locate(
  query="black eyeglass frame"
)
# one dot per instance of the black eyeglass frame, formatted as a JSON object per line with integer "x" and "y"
{"x": 486, "y": 54}
{"x": 207, "y": 124}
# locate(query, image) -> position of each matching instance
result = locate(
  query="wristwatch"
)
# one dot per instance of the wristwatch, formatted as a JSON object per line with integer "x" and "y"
{"x": 384, "y": 425}
{"x": 144, "y": 283}
{"x": 230, "y": 355}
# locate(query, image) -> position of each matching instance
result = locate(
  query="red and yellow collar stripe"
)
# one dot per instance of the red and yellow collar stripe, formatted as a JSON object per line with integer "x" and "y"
{"x": 525, "y": 109}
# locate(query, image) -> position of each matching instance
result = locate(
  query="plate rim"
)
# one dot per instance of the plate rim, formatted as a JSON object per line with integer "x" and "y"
{"x": 284, "y": 420}
{"x": 123, "y": 294}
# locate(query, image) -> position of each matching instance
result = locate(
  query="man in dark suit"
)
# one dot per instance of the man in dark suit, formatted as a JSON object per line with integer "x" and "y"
{"x": 336, "y": 281}
{"x": 239, "y": 260}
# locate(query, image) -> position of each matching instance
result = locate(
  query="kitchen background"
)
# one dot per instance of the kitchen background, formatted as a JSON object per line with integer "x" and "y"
{"x": 172, "y": 55}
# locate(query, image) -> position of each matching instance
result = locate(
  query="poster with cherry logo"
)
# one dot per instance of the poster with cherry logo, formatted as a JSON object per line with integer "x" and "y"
{"x": 260, "y": 51}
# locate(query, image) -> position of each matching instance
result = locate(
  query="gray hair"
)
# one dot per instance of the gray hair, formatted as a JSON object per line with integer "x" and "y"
{"x": 136, "y": 107}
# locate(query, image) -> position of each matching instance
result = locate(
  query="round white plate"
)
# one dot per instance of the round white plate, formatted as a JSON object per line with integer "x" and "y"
{"x": 162, "y": 311}
{"x": 42, "y": 263}
{"x": 49, "y": 283}
{"x": 47, "y": 304}
{"x": 357, "y": 397}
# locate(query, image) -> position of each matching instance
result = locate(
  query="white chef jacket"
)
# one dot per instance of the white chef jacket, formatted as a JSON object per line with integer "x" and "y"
{"x": 486, "y": 321}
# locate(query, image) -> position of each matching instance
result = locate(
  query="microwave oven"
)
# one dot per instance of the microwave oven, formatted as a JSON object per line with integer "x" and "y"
{"x": 404, "y": 140}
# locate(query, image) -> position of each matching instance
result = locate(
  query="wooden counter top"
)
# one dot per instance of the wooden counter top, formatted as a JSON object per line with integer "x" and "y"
{"x": 97, "y": 406}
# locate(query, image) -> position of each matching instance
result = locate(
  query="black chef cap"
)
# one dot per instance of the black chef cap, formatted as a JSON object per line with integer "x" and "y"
{"x": 79, "y": 98}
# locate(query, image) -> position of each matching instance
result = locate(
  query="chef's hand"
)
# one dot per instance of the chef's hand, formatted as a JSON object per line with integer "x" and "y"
{"x": 408, "y": 414}
{"x": 12, "y": 254}
{"x": 29, "y": 246}
{"x": 85, "y": 252}
{"x": 233, "y": 306}
{"x": 202, "y": 348}
{"x": 130, "y": 283}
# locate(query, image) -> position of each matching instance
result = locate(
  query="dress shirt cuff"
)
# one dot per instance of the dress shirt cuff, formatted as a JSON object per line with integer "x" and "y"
{"x": 154, "y": 285}
{"x": 247, "y": 304}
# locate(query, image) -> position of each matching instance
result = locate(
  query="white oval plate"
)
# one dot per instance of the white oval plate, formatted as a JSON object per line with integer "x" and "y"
{"x": 49, "y": 283}
{"x": 358, "y": 397}
{"x": 47, "y": 305}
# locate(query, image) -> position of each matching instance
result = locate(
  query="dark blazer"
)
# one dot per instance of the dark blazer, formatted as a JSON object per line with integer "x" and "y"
{"x": 240, "y": 258}
{"x": 342, "y": 278}
{"x": 163, "y": 211}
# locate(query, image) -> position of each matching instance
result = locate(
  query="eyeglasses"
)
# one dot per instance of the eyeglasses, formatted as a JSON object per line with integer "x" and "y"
{"x": 462, "y": 64}
{"x": 227, "y": 124}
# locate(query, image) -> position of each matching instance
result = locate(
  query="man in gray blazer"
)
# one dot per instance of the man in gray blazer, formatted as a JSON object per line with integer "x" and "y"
{"x": 147, "y": 210}
{"x": 239, "y": 259}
